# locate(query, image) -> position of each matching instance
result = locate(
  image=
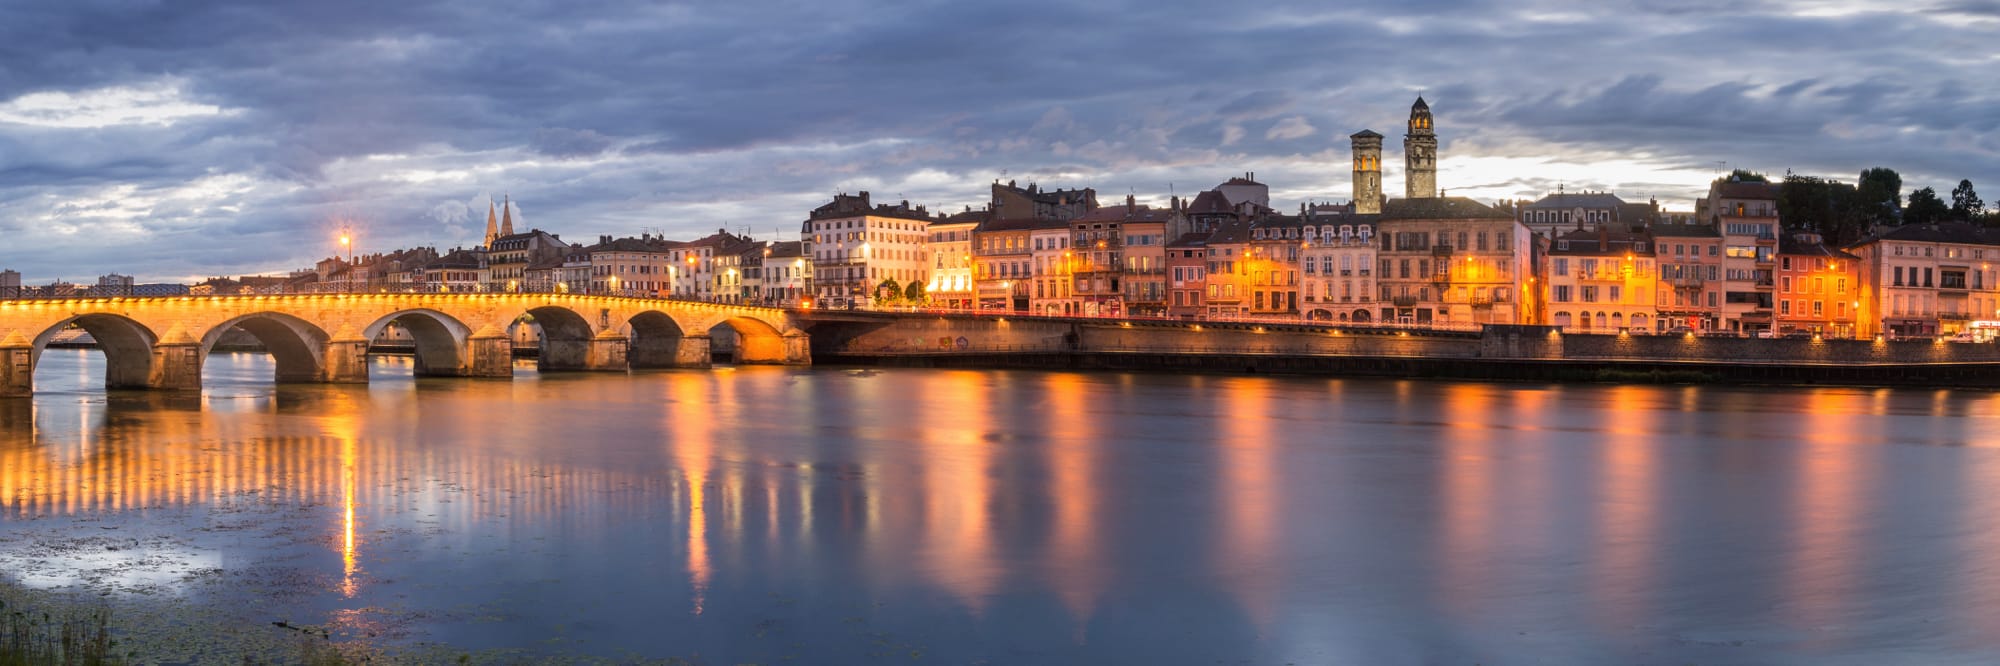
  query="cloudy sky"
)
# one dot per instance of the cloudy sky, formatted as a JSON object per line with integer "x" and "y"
{"x": 174, "y": 140}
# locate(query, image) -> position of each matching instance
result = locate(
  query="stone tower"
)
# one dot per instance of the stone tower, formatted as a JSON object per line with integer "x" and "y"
{"x": 1367, "y": 172}
{"x": 1420, "y": 150}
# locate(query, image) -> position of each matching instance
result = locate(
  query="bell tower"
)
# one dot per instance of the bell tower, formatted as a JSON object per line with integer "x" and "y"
{"x": 1367, "y": 172}
{"x": 1420, "y": 147}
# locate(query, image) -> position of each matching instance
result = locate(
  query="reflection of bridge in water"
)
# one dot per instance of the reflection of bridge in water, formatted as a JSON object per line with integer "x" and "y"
{"x": 161, "y": 343}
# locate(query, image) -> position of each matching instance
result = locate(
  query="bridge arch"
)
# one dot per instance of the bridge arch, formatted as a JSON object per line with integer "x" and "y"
{"x": 564, "y": 336}
{"x": 298, "y": 347}
{"x": 126, "y": 343}
{"x": 439, "y": 338}
{"x": 757, "y": 341}
{"x": 659, "y": 341}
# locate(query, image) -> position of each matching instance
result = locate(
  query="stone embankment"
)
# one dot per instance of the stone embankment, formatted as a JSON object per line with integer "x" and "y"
{"x": 1506, "y": 352}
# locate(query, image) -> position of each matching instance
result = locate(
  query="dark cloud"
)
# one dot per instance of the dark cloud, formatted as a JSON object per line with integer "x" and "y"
{"x": 251, "y": 129}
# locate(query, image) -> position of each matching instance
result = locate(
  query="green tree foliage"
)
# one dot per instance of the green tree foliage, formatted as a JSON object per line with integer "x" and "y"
{"x": 1879, "y": 194}
{"x": 1748, "y": 176}
{"x": 889, "y": 291}
{"x": 914, "y": 293}
{"x": 1965, "y": 203}
{"x": 1925, "y": 208}
{"x": 1826, "y": 207}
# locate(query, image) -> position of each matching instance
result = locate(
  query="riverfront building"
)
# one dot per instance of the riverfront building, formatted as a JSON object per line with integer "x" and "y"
{"x": 950, "y": 259}
{"x": 1816, "y": 287}
{"x": 857, "y": 246}
{"x": 1602, "y": 280}
{"x": 1927, "y": 279}
{"x": 1690, "y": 283}
{"x": 1338, "y": 265}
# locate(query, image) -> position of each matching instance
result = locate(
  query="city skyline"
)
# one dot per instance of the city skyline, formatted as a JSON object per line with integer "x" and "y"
{"x": 176, "y": 143}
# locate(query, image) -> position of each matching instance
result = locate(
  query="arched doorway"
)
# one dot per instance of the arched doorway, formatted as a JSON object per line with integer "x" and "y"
{"x": 1360, "y": 316}
{"x": 127, "y": 347}
{"x": 297, "y": 348}
{"x": 436, "y": 340}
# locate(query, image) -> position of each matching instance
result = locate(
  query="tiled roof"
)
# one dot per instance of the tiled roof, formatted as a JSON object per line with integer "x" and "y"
{"x": 1122, "y": 213}
{"x": 1810, "y": 245}
{"x": 1597, "y": 242}
{"x": 1191, "y": 239}
{"x": 1684, "y": 230}
{"x": 1946, "y": 232}
{"x": 788, "y": 249}
{"x": 973, "y": 216}
{"x": 1011, "y": 224}
{"x": 1584, "y": 200}
{"x": 1439, "y": 208}
{"x": 1364, "y": 134}
{"x": 1210, "y": 201}
{"x": 1233, "y": 232}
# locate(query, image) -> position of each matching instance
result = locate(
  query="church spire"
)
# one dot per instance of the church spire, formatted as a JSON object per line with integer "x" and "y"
{"x": 492, "y": 230}
{"x": 506, "y": 216}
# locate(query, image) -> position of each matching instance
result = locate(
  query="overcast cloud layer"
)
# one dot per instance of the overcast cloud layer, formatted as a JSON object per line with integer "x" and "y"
{"x": 185, "y": 139}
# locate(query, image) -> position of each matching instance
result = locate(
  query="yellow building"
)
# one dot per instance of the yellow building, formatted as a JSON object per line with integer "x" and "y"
{"x": 1602, "y": 281}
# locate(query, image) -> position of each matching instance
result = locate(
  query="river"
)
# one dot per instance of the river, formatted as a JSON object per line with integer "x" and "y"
{"x": 834, "y": 516}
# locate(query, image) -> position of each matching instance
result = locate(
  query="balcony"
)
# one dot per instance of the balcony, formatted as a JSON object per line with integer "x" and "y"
{"x": 1482, "y": 303}
{"x": 1345, "y": 272}
{"x": 1440, "y": 250}
{"x": 1404, "y": 301}
{"x": 1953, "y": 316}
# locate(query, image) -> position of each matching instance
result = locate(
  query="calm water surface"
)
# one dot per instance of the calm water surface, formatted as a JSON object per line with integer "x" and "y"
{"x": 826, "y": 516}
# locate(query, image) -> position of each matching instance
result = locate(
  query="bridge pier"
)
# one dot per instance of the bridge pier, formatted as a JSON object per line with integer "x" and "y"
{"x": 17, "y": 366}
{"x": 687, "y": 351}
{"x": 488, "y": 353}
{"x": 798, "y": 348}
{"x": 608, "y": 352}
{"x": 346, "y": 359}
{"x": 176, "y": 367}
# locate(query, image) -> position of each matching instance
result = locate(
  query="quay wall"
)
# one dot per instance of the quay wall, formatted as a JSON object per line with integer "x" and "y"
{"x": 1537, "y": 353}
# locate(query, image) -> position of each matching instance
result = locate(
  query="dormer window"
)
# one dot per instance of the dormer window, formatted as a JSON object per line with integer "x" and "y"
{"x": 1562, "y": 245}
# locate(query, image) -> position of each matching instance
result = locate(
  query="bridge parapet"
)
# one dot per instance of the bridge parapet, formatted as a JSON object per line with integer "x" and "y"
{"x": 161, "y": 342}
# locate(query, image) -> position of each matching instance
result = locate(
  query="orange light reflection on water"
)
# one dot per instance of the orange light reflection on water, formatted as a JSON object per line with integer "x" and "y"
{"x": 1075, "y": 557}
{"x": 1832, "y": 489}
{"x": 958, "y": 491}
{"x": 1466, "y": 488}
{"x": 1626, "y": 565}
{"x": 1249, "y": 495}
{"x": 689, "y": 419}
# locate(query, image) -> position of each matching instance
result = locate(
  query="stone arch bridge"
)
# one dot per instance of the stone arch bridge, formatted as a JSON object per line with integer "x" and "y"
{"x": 161, "y": 343}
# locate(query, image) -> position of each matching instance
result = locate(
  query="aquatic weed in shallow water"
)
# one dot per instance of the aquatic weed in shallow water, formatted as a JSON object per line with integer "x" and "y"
{"x": 31, "y": 637}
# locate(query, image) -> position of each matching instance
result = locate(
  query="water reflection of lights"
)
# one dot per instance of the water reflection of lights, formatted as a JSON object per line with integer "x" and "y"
{"x": 958, "y": 490}
{"x": 689, "y": 420}
{"x": 1626, "y": 564}
{"x": 1466, "y": 485}
{"x": 1832, "y": 493}
{"x": 1075, "y": 559}
{"x": 1248, "y": 491}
